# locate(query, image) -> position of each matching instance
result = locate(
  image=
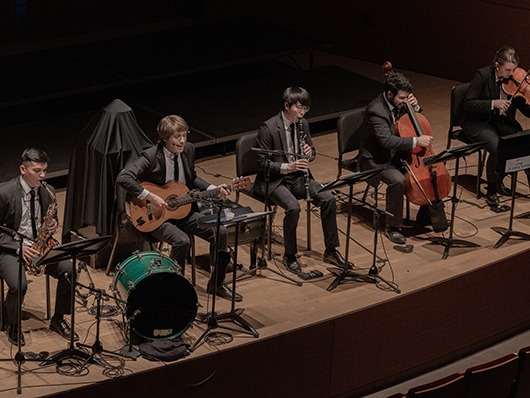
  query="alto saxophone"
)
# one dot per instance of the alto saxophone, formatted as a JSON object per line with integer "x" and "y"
{"x": 44, "y": 242}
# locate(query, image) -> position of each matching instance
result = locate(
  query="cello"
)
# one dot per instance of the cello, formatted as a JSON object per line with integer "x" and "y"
{"x": 426, "y": 185}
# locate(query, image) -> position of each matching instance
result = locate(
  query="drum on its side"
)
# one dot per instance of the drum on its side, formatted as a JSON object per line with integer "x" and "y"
{"x": 162, "y": 302}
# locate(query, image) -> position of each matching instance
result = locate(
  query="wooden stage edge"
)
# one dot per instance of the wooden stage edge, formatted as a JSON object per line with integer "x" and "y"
{"x": 359, "y": 352}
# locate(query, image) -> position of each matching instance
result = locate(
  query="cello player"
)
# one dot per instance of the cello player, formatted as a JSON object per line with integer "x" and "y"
{"x": 379, "y": 147}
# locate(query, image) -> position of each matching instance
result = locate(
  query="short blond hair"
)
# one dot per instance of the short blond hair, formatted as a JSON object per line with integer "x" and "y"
{"x": 170, "y": 125}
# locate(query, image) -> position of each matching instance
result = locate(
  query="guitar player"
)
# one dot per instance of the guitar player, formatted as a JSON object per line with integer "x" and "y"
{"x": 173, "y": 158}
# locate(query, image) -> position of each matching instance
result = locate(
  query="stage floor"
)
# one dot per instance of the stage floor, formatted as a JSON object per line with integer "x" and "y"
{"x": 275, "y": 306}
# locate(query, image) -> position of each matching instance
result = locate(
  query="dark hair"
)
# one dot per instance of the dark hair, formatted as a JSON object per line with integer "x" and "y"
{"x": 295, "y": 94}
{"x": 395, "y": 82}
{"x": 170, "y": 125}
{"x": 505, "y": 54}
{"x": 34, "y": 155}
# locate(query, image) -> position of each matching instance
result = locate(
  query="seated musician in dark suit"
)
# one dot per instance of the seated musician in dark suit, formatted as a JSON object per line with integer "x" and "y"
{"x": 380, "y": 146}
{"x": 287, "y": 178}
{"x": 490, "y": 113}
{"x": 25, "y": 207}
{"x": 173, "y": 158}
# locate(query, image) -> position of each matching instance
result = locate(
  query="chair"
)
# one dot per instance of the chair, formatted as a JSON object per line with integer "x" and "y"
{"x": 458, "y": 93}
{"x": 521, "y": 388}
{"x": 2, "y": 302}
{"x": 246, "y": 165}
{"x": 450, "y": 386}
{"x": 493, "y": 379}
{"x": 349, "y": 128}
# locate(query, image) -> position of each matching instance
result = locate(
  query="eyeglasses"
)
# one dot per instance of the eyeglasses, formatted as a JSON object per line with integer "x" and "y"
{"x": 300, "y": 107}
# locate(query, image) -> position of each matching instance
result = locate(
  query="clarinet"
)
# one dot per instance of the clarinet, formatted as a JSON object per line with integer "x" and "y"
{"x": 301, "y": 144}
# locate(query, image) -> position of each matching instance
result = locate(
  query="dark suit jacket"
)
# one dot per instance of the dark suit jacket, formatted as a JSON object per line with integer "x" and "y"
{"x": 271, "y": 136}
{"x": 379, "y": 143}
{"x": 477, "y": 103}
{"x": 11, "y": 210}
{"x": 151, "y": 167}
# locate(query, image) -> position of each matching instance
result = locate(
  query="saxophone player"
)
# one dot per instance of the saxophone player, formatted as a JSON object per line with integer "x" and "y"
{"x": 23, "y": 205}
{"x": 288, "y": 181}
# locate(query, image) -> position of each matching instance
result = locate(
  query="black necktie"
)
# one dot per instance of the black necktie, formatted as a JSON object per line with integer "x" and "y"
{"x": 176, "y": 159}
{"x": 32, "y": 209}
{"x": 293, "y": 135}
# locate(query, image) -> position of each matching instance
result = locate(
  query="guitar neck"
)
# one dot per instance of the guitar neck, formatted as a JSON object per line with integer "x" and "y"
{"x": 195, "y": 196}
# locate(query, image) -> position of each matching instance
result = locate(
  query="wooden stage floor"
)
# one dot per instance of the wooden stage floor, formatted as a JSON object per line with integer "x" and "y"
{"x": 357, "y": 339}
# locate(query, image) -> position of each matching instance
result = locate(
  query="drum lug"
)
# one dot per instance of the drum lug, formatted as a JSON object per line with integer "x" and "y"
{"x": 150, "y": 271}
{"x": 131, "y": 285}
{"x": 138, "y": 254}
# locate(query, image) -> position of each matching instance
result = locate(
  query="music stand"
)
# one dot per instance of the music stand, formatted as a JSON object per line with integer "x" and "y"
{"x": 72, "y": 251}
{"x": 444, "y": 156}
{"x": 235, "y": 315}
{"x": 212, "y": 319}
{"x": 513, "y": 156}
{"x": 351, "y": 180}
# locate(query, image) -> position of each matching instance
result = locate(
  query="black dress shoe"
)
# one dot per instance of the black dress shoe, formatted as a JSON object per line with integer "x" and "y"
{"x": 334, "y": 257}
{"x": 224, "y": 292}
{"x": 492, "y": 200}
{"x": 63, "y": 329}
{"x": 12, "y": 336}
{"x": 291, "y": 264}
{"x": 503, "y": 190}
{"x": 395, "y": 236}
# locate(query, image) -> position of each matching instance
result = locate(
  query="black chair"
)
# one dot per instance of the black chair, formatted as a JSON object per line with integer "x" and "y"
{"x": 493, "y": 379}
{"x": 450, "y": 386}
{"x": 247, "y": 165}
{"x": 455, "y": 132}
{"x": 349, "y": 128}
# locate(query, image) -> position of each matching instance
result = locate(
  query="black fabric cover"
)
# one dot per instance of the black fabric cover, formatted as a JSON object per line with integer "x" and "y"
{"x": 102, "y": 149}
{"x": 164, "y": 350}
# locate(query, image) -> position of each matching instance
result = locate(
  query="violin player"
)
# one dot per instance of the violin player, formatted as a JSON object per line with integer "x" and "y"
{"x": 490, "y": 113}
{"x": 380, "y": 146}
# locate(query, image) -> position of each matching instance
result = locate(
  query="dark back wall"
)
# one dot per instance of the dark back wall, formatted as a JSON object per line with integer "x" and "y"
{"x": 449, "y": 39}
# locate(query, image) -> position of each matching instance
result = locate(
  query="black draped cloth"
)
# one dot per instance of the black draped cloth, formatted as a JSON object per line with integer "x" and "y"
{"x": 105, "y": 145}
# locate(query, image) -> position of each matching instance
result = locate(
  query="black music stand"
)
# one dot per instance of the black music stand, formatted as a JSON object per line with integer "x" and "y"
{"x": 444, "y": 156}
{"x": 212, "y": 318}
{"x": 235, "y": 315}
{"x": 351, "y": 180}
{"x": 513, "y": 156}
{"x": 72, "y": 251}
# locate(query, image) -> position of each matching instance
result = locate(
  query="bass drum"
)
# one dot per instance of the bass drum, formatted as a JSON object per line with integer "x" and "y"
{"x": 162, "y": 302}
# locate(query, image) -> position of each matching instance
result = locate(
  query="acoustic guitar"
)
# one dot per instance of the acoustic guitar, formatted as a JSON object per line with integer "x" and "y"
{"x": 146, "y": 217}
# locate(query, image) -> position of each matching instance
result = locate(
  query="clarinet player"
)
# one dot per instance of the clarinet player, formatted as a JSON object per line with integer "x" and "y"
{"x": 290, "y": 178}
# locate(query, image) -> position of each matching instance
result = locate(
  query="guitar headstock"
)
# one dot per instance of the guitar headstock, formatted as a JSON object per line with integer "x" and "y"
{"x": 240, "y": 183}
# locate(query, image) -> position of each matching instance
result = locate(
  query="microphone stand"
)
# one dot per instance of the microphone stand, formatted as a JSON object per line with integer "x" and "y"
{"x": 97, "y": 347}
{"x": 20, "y": 358}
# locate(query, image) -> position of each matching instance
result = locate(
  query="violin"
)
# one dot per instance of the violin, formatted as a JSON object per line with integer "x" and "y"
{"x": 425, "y": 184}
{"x": 518, "y": 84}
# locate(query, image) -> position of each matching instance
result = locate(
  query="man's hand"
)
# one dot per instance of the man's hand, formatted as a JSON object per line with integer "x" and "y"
{"x": 224, "y": 191}
{"x": 307, "y": 150}
{"x": 411, "y": 99}
{"x": 298, "y": 165}
{"x": 501, "y": 104}
{"x": 53, "y": 227}
{"x": 156, "y": 200}
{"x": 425, "y": 140}
{"x": 29, "y": 253}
